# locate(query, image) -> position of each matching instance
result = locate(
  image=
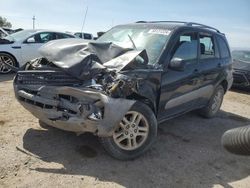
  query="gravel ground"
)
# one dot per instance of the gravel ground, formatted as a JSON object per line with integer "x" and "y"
{"x": 187, "y": 153}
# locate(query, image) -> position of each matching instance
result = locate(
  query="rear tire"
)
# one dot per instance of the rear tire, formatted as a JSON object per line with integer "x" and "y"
{"x": 7, "y": 59}
{"x": 136, "y": 133}
{"x": 214, "y": 103}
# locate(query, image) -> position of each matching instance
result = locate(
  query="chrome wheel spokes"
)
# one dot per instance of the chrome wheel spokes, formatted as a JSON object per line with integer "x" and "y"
{"x": 132, "y": 131}
{"x": 7, "y": 60}
{"x": 217, "y": 101}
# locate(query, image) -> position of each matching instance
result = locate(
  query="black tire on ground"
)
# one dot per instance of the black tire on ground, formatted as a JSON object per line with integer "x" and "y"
{"x": 237, "y": 140}
{"x": 117, "y": 152}
{"x": 217, "y": 98}
{"x": 12, "y": 60}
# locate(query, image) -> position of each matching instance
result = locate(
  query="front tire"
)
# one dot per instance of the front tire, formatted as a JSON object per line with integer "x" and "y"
{"x": 134, "y": 135}
{"x": 4, "y": 57}
{"x": 214, "y": 103}
{"x": 44, "y": 125}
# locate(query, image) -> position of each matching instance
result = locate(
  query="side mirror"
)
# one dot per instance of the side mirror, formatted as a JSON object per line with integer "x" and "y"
{"x": 31, "y": 40}
{"x": 177, "y": 64}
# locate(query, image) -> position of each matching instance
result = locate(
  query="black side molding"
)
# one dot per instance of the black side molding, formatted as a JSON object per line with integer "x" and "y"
{"x": 16, "y": 47}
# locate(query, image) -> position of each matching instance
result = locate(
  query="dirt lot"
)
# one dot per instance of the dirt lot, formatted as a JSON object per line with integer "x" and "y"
{"x": 187, "y": 153}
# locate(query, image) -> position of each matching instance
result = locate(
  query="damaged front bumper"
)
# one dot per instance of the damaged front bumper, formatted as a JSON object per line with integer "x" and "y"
{"x": 78, "y": 86}
{"x": 76, "y": 109}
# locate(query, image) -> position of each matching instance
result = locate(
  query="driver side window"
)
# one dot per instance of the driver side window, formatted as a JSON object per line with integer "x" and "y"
{"x": 186, "y": 47}
{"x": 42, "y": 37}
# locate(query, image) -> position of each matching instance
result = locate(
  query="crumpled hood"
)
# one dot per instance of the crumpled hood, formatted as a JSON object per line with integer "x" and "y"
{"x": 80, "y": 58}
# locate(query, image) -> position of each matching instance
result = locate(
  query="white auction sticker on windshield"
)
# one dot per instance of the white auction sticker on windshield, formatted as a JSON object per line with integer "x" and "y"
{"x": 159, "y": 31}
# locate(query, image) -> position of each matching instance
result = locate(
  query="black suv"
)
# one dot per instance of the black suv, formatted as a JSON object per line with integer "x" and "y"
{"x": 132, "y": 78}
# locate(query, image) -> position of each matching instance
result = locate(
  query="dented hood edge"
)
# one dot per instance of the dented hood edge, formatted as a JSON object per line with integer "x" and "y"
{"x": 77, "y": 56}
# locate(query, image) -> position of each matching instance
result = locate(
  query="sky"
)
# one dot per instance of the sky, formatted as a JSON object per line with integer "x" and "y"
{"x": 229, "y": 16}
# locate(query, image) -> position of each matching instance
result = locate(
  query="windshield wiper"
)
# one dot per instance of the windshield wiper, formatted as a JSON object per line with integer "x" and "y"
{"x": 130, "y": 38}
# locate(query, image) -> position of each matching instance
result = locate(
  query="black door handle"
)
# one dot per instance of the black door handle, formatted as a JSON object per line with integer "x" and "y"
{"x": 219, "y": 65}
{"x": 196, "y": 71}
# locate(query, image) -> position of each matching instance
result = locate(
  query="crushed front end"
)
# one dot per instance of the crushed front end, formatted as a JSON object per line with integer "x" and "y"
{"x": 94, "y": 99}
{"x": 71, "y": 104}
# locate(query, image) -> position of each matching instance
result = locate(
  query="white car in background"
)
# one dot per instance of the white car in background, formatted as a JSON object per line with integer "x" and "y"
{"x": 18, "y": 48}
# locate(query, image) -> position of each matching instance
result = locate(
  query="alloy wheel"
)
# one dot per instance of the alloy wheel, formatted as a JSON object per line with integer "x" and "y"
{"x": 132, "y": 131}
{"x": 217, "y": 101}
{"x": 3, "y": 68}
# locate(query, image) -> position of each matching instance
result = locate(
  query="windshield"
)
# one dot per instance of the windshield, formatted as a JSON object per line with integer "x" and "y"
{"x": 241, "y": 55}
{"x": 153, "y": 40}
{"x": 21, "y": 35}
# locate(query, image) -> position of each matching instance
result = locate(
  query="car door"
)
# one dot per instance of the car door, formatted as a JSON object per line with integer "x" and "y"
{"x": 209, "y": 66}
{"x": 30, "y": 46}
{"x": 178, "y": 87}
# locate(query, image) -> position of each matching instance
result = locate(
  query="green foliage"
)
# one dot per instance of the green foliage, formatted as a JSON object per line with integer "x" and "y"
{"x": 4, "y": 22}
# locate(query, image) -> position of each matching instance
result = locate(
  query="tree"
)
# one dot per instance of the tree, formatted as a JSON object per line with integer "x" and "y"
{"x": 4, "y": 22}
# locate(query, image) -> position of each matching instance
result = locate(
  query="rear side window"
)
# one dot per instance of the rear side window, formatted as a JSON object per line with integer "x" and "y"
{"x": 224, "y": 50}
{"x": 207, "y": 47}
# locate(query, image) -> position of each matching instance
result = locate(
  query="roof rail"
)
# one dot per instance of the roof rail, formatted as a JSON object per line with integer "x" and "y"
{"x": 202, "y": 26}
{"x": 161, "y": 22}
{"x": 185, "y": 23}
